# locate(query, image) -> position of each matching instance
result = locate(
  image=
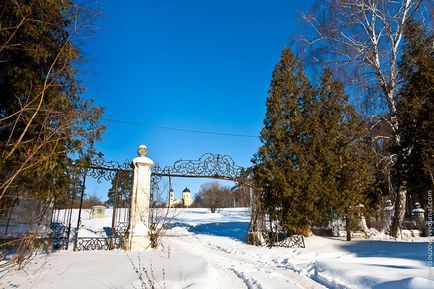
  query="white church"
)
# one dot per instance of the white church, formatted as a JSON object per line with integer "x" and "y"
{"x": 185, "y": 202}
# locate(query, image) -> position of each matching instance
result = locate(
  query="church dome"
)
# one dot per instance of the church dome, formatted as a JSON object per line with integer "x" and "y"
{"x": 186, "y": 190}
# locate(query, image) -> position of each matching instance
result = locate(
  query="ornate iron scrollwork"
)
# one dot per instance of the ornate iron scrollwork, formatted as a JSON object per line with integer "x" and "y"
{"x": 294, "y": 241}
{"x": 92, "y": 243}
{"x": 155, "y": 183}
{"x": 98, "y": 243}
{"x": 282, "y": 240}
{"x": 275, "y": 236}
{"x": 120, "y": 229}
{"x": 208, "y": 165}
{"x": 101, "y": 169}
{"x": 60, "y": 236}
{"x": 114, "y": 241}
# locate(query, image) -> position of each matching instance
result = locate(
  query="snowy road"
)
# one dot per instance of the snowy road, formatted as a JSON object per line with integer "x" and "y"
{"x": 207, "y": 251}
{"x": 186, "y": 261}
{"x": 197, "y": 254}
{"x": 330, "y": 262}
{"x": 253, "y": 272}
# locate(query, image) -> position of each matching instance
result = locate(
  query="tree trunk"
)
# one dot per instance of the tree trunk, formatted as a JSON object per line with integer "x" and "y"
{"x": 398, "y": 216}
{"x": 306, "y": 231}
{"x": 401, "y": 194}
{"x": 348, "y": 228}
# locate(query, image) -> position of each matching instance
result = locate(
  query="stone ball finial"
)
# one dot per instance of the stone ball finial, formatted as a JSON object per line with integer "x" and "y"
{"x": 142, "y": 151}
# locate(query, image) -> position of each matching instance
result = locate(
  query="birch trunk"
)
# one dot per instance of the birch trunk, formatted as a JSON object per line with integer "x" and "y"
{"x": 398, "y": 217}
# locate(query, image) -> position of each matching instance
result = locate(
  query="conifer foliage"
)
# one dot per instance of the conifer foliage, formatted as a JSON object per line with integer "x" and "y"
{"x": 43, "y": 118}
{"x": 119, "y": 194}
{"x": 280, "y": 165}
{"x": 314, "y": 162}
{"x": 345, "y": 162}
{"x": 415, "y": 113}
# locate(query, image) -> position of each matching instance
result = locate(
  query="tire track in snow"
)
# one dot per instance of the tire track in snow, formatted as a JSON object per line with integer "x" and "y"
{"x": 314, "y": 272}
{"x": 254, "y": 273}
{"x": 217, "y": 259}
{"x": 251, "y": 284}
{"x": 313, "y": 282}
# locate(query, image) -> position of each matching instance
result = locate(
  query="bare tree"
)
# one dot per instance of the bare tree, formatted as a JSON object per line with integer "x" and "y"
{"x": 210, "y": 195}
{"x": 240, "y": 195}
{"x": 215, "y": 196}
{"x": 361, "y": 42}
{"x": 160, "y": 215}
{"x": 44, "y": 121}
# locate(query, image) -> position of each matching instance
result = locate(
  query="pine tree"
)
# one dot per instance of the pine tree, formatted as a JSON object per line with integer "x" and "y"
{"x": 43, "y": 119}
{"x": 280, "y": 167}
{"x": 341, "y": 151}
{"x": 121, "y": 189}
{"x": 314, "y": 163}
{"x": 415, "y": 113}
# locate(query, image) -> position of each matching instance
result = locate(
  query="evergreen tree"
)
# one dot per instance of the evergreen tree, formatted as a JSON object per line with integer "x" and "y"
{"x": 121, "y": 189}
{"x": 341, "y": 152}
{"x": 415, "y": 113}
{"x": 314, "y": 162}
{"x": 43, "y": 119}
{"x": 280, "y": 165}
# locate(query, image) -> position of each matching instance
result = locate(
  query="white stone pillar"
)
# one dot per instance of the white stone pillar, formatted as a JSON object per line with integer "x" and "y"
{"x": 138, "y": 237}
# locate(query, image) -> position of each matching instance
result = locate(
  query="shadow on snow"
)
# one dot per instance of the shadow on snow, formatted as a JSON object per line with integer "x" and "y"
{"x": 234, "y": 230}
{"x": 391, "y": 249}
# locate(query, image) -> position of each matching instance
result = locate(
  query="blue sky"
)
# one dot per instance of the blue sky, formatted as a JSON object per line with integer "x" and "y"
{"x": 199, "y": 65}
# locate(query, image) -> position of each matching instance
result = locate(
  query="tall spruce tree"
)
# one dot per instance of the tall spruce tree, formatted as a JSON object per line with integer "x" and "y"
{"x": 280, "y": 165}
{"x": 341, "y": 152}
{"x": 415, "y": 113}
{"x": 314, "y": 162}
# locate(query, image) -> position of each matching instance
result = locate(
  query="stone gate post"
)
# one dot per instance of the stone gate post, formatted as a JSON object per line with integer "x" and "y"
{"x": 138, "y": 237}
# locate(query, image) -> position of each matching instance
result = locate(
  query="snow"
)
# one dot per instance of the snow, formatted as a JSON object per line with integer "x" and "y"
{"x": 205, "y": 250}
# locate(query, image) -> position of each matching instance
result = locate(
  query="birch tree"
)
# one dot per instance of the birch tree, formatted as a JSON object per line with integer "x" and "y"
{"x": 361, "y": 42}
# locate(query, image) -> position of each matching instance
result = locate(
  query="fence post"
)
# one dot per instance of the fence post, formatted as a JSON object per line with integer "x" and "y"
{"x": 138, "y": 230}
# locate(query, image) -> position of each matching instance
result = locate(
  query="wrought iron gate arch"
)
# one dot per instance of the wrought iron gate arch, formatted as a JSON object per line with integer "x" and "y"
{"x": 217, "y": 166}
{"x": 211, "y": 166}
{"x": 214, "y": 166}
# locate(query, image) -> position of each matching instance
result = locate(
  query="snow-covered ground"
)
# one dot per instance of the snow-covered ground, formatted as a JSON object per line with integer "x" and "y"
{"x": 205, "y": 250}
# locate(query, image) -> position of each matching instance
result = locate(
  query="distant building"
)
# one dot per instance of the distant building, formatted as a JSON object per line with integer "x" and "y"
{"x": 185, "y": 202}
{"x": 186, "y": 197}
{"x": 172, "y": 201}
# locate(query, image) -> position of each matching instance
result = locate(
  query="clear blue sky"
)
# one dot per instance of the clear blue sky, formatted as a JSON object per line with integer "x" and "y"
{"x": 199, "y": 65}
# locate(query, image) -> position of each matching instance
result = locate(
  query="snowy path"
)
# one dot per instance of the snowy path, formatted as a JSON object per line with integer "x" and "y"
{"x": 187, "y": 261}
{"x": 207, "y": 251}
{"x": 331, "y": 262}
{"x": 254, "y": 273}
